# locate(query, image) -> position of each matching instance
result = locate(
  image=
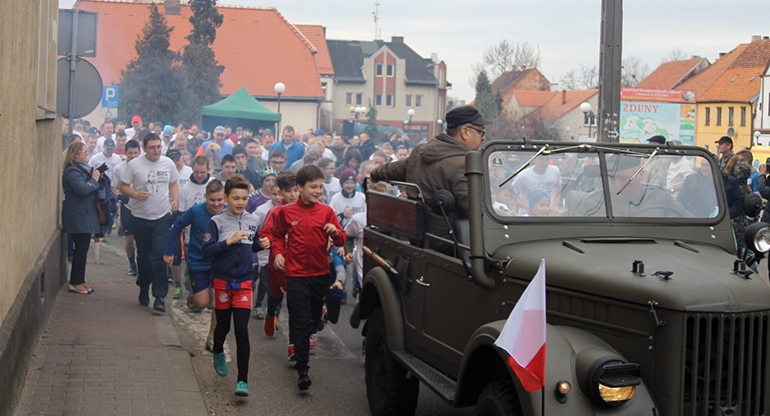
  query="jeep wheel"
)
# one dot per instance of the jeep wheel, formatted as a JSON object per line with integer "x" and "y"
{"x": 498, "y": 399}
{"x": 388, "y": 390}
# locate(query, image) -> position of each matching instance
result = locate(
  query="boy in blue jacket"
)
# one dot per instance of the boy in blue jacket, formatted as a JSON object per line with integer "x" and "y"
{"x": 229, "y": 243}
{"x": 198, "y": 268}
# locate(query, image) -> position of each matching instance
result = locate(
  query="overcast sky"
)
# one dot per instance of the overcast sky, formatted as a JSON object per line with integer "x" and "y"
{"x": 566, "y": 31}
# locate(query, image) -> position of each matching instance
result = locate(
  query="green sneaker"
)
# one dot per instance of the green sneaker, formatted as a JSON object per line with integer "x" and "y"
{"x": 241, "y": 389}
{"x": 220, "y": 364}
{"x": 177, "y": 293}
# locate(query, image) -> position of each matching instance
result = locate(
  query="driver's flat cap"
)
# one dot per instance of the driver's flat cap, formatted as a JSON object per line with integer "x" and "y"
{"x": 466, "y": 114}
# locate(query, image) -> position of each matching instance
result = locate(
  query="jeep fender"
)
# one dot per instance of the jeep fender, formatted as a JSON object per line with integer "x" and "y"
{"x": 483, "y": 362}
{"x": 379, "y": 291}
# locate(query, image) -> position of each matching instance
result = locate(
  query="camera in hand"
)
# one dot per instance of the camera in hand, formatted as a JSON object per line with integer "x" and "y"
{"x": 103, "y": 168}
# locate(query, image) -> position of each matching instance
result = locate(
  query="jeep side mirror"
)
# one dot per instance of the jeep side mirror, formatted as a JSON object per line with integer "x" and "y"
{"x": 442, "y": 199}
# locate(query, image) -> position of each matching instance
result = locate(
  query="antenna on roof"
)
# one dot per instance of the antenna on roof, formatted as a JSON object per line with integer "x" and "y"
{"x": 376, "y": 13}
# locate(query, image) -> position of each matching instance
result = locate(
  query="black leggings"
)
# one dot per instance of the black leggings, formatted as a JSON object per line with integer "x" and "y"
{"x": 243, "y": 348}
{"x": 79, "y": 258}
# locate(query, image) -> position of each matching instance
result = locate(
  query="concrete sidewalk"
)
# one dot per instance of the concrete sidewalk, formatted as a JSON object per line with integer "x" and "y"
{"x": 104, "y": 354}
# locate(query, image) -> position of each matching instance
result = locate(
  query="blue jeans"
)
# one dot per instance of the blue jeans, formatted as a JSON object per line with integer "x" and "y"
{"x": 151, "y": 237}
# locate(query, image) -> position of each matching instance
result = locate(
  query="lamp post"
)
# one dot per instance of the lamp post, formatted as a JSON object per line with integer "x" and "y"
{"x": 279, "y": 89}
{"x": 439, "y": 126}
{"x": 756, "y": 137}
{"x": 410, "y": 113}
{"x": 588, "y": 114}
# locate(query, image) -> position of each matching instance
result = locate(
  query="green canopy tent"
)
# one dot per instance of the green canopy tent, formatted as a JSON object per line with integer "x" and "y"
{"x": 239, "y": 109}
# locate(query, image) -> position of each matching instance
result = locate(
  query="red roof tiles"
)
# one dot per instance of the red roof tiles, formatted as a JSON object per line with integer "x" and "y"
{"x": 669, "y": 74}
{"x": 257, "y": 47}
{"x": 533, "y": 98}
{"x": 316, "y": 34}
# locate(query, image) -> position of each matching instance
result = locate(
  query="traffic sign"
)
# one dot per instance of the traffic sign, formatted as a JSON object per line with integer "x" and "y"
{"x": 109, "y": 101}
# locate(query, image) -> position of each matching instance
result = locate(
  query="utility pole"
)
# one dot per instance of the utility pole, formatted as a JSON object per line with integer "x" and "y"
{"x": 610, "y": 57}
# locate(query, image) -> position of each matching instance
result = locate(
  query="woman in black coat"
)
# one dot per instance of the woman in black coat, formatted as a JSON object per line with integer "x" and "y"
{"x": 80, "y": 217}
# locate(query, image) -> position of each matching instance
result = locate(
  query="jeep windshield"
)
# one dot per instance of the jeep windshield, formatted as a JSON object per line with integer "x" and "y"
{"x": 596, "y": 182}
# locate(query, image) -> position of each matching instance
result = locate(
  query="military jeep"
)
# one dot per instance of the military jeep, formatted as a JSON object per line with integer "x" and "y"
{"x": 649, "y": 311}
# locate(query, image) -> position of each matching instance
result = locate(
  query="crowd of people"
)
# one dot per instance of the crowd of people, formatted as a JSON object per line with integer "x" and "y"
{"x": 221, "y": 209}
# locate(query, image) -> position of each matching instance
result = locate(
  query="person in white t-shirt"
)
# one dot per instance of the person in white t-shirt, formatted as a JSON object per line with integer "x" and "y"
{"x": 108, "y": 158}
{"x": 331, "y": 184}
{"x": 348, "y": 201}
{"x": 132, "y": 152}
{"x": 194, "y": 191}
{"x": 542, "y": 175}
{"x": 154, "y": 179}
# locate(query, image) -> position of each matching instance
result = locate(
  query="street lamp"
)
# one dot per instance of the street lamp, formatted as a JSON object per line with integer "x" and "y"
{"x": 279, "y": 89}
{"x": 439, "y": 123}
{"x": 410, "y": 113}
{"x": 756, "y": 137}
{"x": 357, "y": 112}
{"x": 588, "y": 115}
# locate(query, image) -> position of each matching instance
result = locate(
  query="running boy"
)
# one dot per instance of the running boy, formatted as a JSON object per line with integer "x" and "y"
{"x": 198, "y": 268}
{"x": 287, "y": 188}
{"x": 299, "y": 239}
{"x": 228, "y": 242}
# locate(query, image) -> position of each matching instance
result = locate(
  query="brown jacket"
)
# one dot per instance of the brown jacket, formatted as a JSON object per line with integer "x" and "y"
{"x": 438, "y": 164}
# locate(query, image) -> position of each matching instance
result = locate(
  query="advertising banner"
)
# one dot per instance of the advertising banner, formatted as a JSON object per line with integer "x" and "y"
{"x": 645, "y": 113}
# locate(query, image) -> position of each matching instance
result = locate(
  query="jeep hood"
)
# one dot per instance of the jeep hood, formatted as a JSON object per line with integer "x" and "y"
{"x": 701, "y": 278}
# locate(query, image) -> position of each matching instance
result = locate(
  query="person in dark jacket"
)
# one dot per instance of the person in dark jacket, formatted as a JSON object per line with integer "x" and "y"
{"x": 440, "y": 163}
{"x": 80, "y": 217}
{"x": 366, "y": 146}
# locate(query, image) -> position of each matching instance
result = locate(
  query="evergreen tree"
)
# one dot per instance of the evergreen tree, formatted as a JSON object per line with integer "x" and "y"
{"x": 488, "y": 103}
{"x": 371, "y": 122}
{"x": 200, "y": 67}
{"x": 151, "y": 85}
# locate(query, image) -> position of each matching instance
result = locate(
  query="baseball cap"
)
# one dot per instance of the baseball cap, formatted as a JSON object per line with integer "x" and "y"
{"x": 174, "y": 154}
{"x": 219, "y": 130}
{"x": 318, "y": 132}
{"x": 466, "y": 114}
{"x": 724, "y": 139}
{"x": 657, "y": 139}
{"x": 347, "y": 175}
{"x": 134, "y": 119}
{"x": 109, "y": 144}
{"x": 168, "y": 134}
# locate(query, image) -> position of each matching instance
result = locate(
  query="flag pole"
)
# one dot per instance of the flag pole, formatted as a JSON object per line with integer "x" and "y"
{"x": 542, "y": 401}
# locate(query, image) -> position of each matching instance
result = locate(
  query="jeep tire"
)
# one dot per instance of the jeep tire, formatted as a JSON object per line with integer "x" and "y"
{"x": 388, "y": 390}
{"x": 498, "y": 399}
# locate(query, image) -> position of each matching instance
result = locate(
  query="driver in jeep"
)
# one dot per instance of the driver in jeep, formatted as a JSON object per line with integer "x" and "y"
{"x": 630, "y": 195}
{"x": 440, "y": 164}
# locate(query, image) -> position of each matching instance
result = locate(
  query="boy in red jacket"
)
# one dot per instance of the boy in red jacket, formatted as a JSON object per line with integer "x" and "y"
{"x": 299, "y": 237}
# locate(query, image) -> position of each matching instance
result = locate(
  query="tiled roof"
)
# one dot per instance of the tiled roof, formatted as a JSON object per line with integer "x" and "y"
{"x": 257, "y": 46}
{"x": 558, "y": 106}
{"x": 348, "y": 59}
{"x": 729, "y": 79}
{"x": 669, "y": 74}
{"x": 527, "y": 98}
{"x": 316, "y": 34}
{"x": 507, "y": 80}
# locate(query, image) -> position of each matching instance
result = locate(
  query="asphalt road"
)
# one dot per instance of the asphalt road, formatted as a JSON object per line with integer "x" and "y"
{"x": 336, "y": 370}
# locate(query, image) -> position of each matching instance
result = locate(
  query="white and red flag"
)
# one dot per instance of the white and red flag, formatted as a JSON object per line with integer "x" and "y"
{"x": 523, "y": 335}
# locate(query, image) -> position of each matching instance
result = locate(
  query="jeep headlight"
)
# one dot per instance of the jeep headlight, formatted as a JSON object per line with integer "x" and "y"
{"x": 758, "y": 237}
{"x": 607, "y": 379}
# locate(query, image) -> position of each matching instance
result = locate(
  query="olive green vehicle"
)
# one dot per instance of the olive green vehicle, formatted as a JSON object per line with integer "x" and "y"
{"x": 649, "y": 311}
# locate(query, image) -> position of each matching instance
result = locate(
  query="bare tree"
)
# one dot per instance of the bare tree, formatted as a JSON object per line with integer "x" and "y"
{"x": 476, "y": 69}
{"x": 583, "y": 78}
{"x": 675, "y": 55}
{"x": 634, "y": 71}
{"x": 507, "y": 55}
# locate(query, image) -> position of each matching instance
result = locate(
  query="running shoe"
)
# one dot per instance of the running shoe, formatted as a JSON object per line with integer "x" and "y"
{"x": 304, "y": 381}
{"x": 160, "y": 305}
{"x": 242, "y": 389}
{"x": 269, "y": 327}
{"x": 177, "y": 293}
{"x": 313, "y": 341}
{"x": 220, "y": 364}
{"x": 259, "y": 313}
{"x": 292, "y": 357}
{"x": 323, "y": 321}
{"x": 210, "y": 343}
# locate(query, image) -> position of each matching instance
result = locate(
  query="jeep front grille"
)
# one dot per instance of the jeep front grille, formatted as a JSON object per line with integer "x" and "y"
{"x": 725, "y": 364}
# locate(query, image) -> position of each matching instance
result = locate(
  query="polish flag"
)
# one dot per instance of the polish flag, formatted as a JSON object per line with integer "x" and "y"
{"x": 523, "y": 335}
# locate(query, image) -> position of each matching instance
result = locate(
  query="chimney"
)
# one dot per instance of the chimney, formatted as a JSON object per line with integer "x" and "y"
{"x": 564, "y": 96}
{"x": 172, "y": 7}
{"x": 397, "y": 39}
{"x": 722, "y": 54}
{"x": 755, "y": 38}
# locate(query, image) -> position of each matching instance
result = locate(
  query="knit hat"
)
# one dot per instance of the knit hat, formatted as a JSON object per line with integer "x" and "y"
{"x": 347, "y": 175}
{"x": 268, "y": 171}
{"x": 536, "y": 195}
